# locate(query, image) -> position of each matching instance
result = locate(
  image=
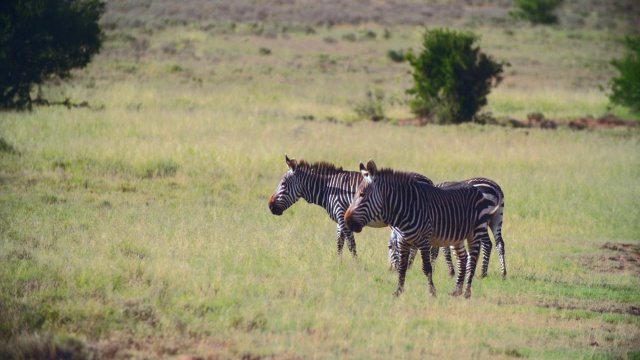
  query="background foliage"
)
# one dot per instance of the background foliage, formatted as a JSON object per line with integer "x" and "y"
{"x": 452, "y": 77}
{"x": 626, "y": 86}
{"x": 536, "y": 11}
{"x": 44, "y": 40}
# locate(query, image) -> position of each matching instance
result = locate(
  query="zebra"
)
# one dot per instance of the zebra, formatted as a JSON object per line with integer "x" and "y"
{"x": 326, "y": 185}
{"x": 423, "y": 216}
{"x": 493, "y": 193}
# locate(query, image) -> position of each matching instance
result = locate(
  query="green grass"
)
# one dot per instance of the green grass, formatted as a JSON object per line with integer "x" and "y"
{"x": 142, "y": 230}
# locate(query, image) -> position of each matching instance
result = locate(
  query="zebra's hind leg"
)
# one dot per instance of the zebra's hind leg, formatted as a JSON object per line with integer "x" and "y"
{"x": 496, "y": 227}
{"x": 486, "y": 254}
{"x": 394, "y": 257}
{"x": 339, "y": 241}
{"x": 403, "y": 248}
{"x": 447, "y": 256}
{"x": 500, "y": 248}
{"x": 427, "y": 269}
{"x": 461, "y": 255}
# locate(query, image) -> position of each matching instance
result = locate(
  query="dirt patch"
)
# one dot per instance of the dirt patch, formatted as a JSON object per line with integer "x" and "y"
{"x": 604, "y": 122}
{"x": 616, "y": 257}
{"x": 539, "y": 121}
{"x": 598, "y": 308}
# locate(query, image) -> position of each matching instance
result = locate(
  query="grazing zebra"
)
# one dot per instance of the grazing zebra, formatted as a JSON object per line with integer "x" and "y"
{"x": 423, "y": 216}
{"x": 493, "y": 193}
{"x": 325, "y": 185}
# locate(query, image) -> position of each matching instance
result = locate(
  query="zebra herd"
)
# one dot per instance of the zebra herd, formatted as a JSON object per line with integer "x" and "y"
{"x": 422, "y": 216}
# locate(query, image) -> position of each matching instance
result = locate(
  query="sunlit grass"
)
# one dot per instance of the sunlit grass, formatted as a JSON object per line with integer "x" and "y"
{"x": 552, "y": 103}
{"x": 143, "y": 227}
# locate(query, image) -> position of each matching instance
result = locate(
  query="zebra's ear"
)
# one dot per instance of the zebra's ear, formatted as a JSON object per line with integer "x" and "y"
{"x": 365, "y": 173}
{"x": 363, "y": 170}
{"x": 291, "y": 163}
{"x": 371, "y": 168}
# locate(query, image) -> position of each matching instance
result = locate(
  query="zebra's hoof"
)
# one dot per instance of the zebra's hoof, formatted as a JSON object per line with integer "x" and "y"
{"x": 467, "y": 294}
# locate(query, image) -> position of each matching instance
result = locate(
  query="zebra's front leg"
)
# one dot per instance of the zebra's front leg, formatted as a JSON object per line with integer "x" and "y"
{"x": 447, "y": 256}
{"x": 412, "y": 256}
{"x": 427, "y": 269}
{"x": 351, "y": 243}
{"x": 435, "y": 251}
{"x": 461, "y": 256}
{"x": 486, "y": 254}
{"x": 402, "y": 266}
{"x": 474, "y": 250}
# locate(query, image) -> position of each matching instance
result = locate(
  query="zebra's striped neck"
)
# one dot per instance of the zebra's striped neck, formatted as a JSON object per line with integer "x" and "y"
{"x": 322, "y": 180}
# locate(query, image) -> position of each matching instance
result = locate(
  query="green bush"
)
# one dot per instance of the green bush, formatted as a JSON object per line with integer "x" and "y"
{"x": 452, "y": 77}
{"x": 373, "y": 107}
{"x": 536, "y": 11}
{"x": 41, "y": 40}
{"x": 396, "y": 55}
{"x": 626, "y": 87}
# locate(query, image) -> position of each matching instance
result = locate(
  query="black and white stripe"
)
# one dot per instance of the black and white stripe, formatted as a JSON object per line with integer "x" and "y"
{"x": 325, "y": 185}
{"x": 423, "y": 216}
{"x": 493, "y": 193}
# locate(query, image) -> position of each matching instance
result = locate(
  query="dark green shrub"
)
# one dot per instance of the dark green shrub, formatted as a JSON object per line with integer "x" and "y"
{"x": 452, "y": 77}
{"x": 396, "y": 55}
{"x": 41, "y": 40}
{"x": 265, "y": 51}
{"x": 7, "y": 148}
{"x": 626, "y": 87}
{"x": 536, "y": 11}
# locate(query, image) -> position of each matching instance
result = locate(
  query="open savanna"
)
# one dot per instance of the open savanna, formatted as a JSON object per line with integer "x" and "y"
{"x": 139, "y": 227}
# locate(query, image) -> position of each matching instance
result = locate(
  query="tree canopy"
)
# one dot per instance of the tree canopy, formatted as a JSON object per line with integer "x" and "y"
{"x": 44, "y": 39}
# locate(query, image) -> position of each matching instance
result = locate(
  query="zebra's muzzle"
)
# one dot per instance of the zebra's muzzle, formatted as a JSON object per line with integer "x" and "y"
{"x": 351, "y": 223}
{"x": 275, "y": 209}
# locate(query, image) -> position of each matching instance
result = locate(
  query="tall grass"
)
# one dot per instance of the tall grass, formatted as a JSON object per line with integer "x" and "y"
{"x": 142, "y": 230}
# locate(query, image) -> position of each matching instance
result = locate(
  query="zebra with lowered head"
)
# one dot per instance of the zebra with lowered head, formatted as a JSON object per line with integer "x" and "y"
{"x": 326, "y": 185}
{"x": 493, "y": 193}
{"x": 423, "y": 216}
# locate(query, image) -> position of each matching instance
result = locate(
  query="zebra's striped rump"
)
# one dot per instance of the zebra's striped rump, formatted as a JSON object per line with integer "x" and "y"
{"x": 422, "y": 216}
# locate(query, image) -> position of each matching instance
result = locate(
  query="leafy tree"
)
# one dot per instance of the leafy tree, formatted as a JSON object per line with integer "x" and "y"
{"x": 536, "y": 11}
{"x": 626, "y": 87}
{"x": 44, "y": 39}
{"x": 452, "y": 77}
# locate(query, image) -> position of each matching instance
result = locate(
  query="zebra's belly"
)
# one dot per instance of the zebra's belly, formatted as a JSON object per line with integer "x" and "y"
{"x": 440, "y": 242}
{"x": 377, "y": 224}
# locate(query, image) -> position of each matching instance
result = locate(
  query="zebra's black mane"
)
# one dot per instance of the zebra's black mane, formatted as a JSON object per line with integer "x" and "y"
{"x": 321, "y": 167}
{"x": 392, "y": 172}
{"x": 398, "y": 174}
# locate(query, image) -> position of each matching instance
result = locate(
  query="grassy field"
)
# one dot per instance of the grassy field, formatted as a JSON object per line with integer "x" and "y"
{"x": 139, "y": 228}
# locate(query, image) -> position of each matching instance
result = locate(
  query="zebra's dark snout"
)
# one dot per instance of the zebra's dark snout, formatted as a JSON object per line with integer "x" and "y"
{"x": 275, "y": 209}
{"x": 352, "y": 224}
